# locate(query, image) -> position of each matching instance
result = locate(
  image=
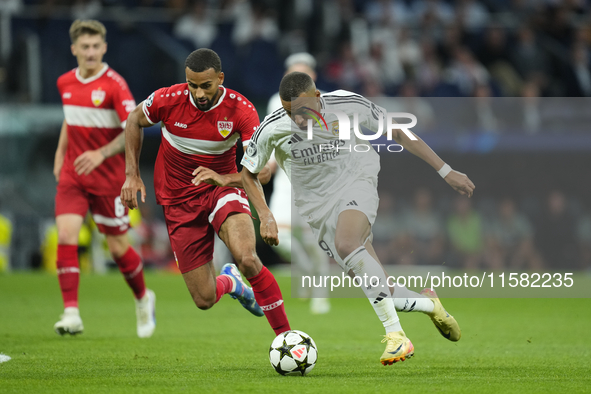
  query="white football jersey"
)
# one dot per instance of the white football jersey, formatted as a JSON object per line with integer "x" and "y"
{"x": 321, "y": 167}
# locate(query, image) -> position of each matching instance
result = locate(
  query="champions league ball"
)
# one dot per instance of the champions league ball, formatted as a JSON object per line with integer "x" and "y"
{"x": 293, "y": 353}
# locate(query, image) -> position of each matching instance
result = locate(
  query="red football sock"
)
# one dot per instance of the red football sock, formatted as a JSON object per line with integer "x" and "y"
{"x": 223, "y": 285}
{"x": 130, "y": 265}
{"x": 268, "y": 296}
{"x": 68, "y": 274}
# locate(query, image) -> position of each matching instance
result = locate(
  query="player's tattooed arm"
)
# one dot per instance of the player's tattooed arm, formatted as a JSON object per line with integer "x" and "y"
{"x": 252, "y": 186}
{"x": 209, "y": 176}
{"x": 134, "y": 136}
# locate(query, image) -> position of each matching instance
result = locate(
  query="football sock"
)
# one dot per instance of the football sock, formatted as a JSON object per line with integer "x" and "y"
{"x": 407, "y": 300}
{"x": 130, "y": 265}
{"x": 268, "y": 295}
{"x": 378, "y": 294}
{"x": 223, "y": 285}
{"x": 68, "y": 274}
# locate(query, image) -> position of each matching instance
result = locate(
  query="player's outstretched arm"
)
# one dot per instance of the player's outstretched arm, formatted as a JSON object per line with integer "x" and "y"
{"x": 60, "y": 152}
{"x": 457, "y": 180}
{"x": 134, "y": 135}
{"x": 255, "y": 193}
{"x": 209, "y": 176}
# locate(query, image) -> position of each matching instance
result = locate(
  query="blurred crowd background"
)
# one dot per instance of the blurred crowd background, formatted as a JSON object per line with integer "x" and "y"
{"x": 532, "y": 205}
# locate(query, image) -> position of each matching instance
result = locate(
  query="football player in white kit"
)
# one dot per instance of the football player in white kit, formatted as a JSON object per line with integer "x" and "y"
{"x": 334, "y": 180}
{"x": 296, "y": 240}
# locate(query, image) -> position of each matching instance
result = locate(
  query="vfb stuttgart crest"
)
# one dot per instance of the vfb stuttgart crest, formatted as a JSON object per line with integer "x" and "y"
{"x": 98, "y": 96}
{"x": 225, "y": 128}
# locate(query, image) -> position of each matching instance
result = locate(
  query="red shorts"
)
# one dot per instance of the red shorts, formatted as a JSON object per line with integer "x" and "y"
{"x": 191, "y": 224}
{"x": 109, "y": 214}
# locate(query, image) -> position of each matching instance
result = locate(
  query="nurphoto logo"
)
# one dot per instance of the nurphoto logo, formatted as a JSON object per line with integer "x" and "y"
{"x": 342, "y": 128}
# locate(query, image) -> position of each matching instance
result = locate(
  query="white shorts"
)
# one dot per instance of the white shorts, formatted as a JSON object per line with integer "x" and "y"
{"x": 361, "y": 196}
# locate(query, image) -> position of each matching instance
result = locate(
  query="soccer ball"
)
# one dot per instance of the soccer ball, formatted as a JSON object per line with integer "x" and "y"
{"x": 293, "y": 353}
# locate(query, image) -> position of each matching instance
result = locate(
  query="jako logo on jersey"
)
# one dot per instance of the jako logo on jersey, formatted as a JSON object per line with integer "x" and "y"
{"x": 181, "y": 125}
{"x": 98, "y": 96}
{"x": 67, "y": 95}
{"x": 225, "y": 128}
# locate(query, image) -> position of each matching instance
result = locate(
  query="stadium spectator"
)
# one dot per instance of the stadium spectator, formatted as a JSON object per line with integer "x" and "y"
{"x": 86, "y": 9}
{"x": 5, "y": 241}
{"x": 89, "y": 170}
{"x": 198, "y": 185}
{"x": 409, "y": 101}
{"x": 388, "y": 230}
{"x": 198, "y": 26}
{"x": 253, "y": 20}
{"x": 424, "y": 235}
{"x": 494, "y": 54}
{"x": 466, "y": 72}
{"x": 577, "y": 76}
{"x": 345, "y": 70}
{"x": 584, "y": 240}
{"x": 153, "y": 239}
{"x": 439, "y": 10}
{"x": 532, "y": 117}
{"x": 528, "y": 58}
{"x": 510, "y": 240}
{"x": 471, "y": 14}
{"x": 429, "y": 71}
{"x": 555, "y": 233}
{"x": 465, "y": 232}
{"x": 394, "y": 12}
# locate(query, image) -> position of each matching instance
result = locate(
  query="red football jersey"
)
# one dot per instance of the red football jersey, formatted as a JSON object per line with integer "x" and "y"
{"x": 193, "y": 138}
{"x": 95, "y": 109}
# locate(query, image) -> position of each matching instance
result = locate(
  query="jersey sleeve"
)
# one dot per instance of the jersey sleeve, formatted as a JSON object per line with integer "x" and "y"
{"x": 258, "y": 152}
{"x": 153, "y": 106}
{"x": 373, "y": 117}
{"x": 123, "y": 102}
{"x": 248, "y": 125}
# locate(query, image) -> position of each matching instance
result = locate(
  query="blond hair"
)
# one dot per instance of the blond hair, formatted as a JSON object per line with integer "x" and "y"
{"x": 90, "y": 26}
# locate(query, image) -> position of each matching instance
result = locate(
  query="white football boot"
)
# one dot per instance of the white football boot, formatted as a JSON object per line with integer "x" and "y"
{"x": 145, "y": 310}
{"x": 70, "y": 322}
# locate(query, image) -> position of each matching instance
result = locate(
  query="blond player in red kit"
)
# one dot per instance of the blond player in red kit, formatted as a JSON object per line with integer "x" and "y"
{"x": 90, "y": 169}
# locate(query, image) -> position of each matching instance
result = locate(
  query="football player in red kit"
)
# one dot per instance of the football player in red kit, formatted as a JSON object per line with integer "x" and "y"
{"x": 90, "y": 169}
{"x": 197, "y": 183}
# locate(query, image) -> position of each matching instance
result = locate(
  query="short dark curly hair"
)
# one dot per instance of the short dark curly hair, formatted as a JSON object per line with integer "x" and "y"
{"x": 203, "y": 59}
{"x": 294, "y": 84}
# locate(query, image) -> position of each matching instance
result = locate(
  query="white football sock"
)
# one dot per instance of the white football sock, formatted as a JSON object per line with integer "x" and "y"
{"x": 407, "y": 300}
{"x": 365, "y": 266}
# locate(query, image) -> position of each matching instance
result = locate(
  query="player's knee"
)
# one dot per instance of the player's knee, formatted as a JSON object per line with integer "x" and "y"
{"x": 204, "y": 303}
{"x": 345, "y": 247}
{"x": 249, "y": 265}
{"x": 67, "y": 236}
{"x": 117, "y": 245}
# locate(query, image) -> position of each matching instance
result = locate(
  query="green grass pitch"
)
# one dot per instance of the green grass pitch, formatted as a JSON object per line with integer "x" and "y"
{"x": 508, "y": 345}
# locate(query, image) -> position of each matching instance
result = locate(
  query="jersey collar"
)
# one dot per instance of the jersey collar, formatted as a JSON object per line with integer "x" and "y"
{"x": 218, "y": 103}
{"x": 94, "y": 77}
